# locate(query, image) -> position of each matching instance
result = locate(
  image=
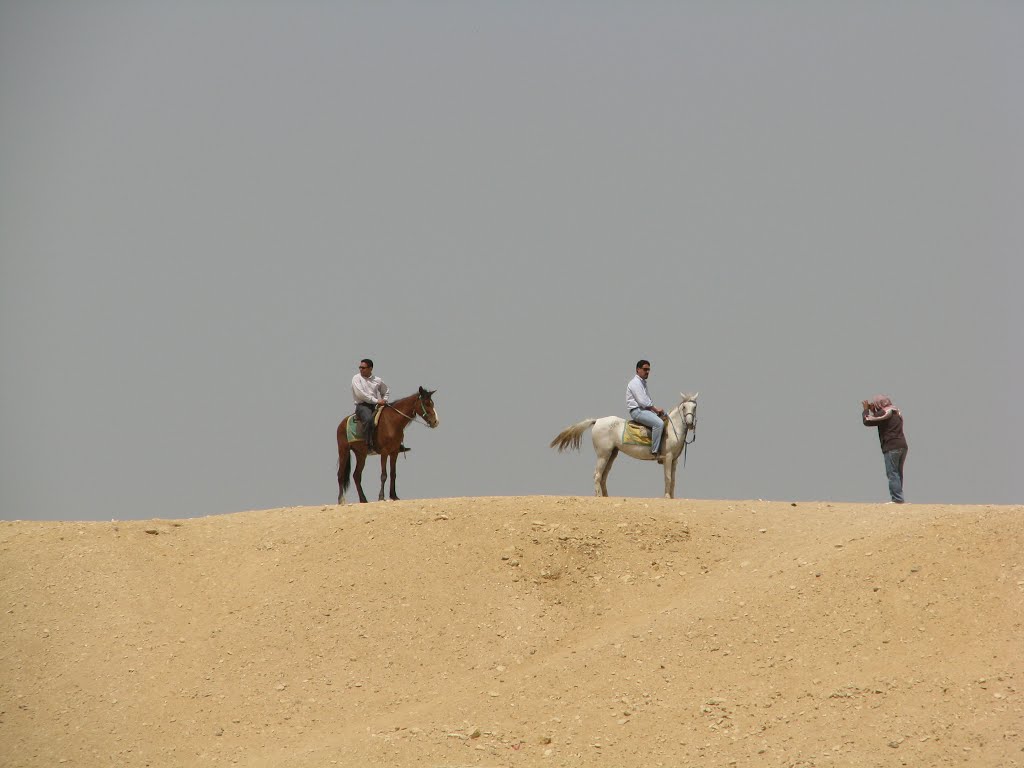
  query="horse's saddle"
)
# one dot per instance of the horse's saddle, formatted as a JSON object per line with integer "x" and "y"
{"x": 354, "y": 428}
{"x": 634, "y": 433}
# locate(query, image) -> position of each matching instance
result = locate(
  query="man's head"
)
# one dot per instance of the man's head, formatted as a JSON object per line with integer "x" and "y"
{"x": 643, "y": 368}
{"x": 880, "y": 404}
{"x": 366, "y": 367}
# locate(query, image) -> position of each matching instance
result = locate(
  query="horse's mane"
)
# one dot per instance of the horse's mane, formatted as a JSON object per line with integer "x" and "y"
{"x": 409, "y": 398}
{"x": 413, "y": 396}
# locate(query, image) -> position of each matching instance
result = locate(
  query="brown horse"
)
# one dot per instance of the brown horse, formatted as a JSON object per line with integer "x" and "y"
{"x": 387, "y": 438}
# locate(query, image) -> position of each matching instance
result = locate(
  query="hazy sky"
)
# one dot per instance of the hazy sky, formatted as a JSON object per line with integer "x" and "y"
{"x": 210, "y": 211}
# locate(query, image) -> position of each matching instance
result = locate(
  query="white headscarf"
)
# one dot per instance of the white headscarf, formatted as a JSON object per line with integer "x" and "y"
{"x": 881, "y": 405}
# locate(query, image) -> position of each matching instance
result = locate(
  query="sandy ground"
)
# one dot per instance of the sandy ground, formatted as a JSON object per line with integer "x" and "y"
{"x": 547, "y": 631}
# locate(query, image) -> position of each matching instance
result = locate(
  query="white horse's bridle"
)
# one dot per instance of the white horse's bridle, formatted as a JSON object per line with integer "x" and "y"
{"x": 686, "y": 427}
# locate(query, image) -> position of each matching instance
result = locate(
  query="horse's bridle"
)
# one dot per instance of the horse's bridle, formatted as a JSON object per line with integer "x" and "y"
{"x": 686, "y": 428}
{"x": 692, "y": 429}
{"x": 423, "y": 411}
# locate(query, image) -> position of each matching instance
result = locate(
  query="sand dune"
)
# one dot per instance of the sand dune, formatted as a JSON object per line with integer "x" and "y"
{"x": 522, "y": 631}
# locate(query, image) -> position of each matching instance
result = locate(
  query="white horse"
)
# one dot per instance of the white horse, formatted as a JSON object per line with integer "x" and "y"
{"x": 607, "y": 436}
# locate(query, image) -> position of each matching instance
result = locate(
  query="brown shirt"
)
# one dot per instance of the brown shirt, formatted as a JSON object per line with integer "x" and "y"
{"x": 890, "y": 429}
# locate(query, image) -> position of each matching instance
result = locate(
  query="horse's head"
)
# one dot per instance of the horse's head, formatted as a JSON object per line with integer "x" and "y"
{"x": 425, "y": 407}
{"x": 688, "y": 407}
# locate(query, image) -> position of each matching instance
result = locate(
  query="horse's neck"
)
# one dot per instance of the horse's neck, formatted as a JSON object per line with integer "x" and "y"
{"x": 402, "y": 412}
{"x": 676, "y": 417}
{"x": 406, "y": 405}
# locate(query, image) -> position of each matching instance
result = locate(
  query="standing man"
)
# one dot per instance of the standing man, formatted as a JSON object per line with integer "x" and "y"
{"x": 640, "y": 406}
{"x": 880, "y": 412}
{"x": 368, "y": 391}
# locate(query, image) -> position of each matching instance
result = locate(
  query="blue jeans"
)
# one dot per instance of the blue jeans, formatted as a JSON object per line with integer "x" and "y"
{"x": 652, "y": 420}
{"x": 894, "y": 461}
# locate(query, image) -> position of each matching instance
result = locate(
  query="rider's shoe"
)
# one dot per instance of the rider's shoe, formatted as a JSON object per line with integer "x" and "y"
{"x": 403, "y": 449}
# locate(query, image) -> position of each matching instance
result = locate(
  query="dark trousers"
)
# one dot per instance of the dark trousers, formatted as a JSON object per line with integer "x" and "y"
{"x": 364, "y": 412}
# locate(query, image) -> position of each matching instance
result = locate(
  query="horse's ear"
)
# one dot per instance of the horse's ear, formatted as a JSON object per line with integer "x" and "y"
{"x": 423, "y": 392}
{"x": 695, "y": 396}
{"x": 431, "y": 392}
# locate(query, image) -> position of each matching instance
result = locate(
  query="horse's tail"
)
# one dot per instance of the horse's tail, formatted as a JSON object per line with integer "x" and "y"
{"x": 344, "y": 463}
{"x": 344, "y": 473}
{"x": 569, "y": 439}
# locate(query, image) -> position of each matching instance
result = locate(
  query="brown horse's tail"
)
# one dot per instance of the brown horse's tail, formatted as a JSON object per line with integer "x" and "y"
{"x": 569, "y": 439}
{"x": 344, "y": 462}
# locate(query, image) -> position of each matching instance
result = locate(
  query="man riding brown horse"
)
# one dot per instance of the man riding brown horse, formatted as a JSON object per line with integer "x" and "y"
{"x": 394, "y": 418}
{"x": 368, "y": 391}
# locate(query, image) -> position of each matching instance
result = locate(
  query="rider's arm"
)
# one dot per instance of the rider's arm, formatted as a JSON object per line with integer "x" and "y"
{"x": 359, "y": 393}
{"x": 640, "y": 397}
{"x": 871, "y": 420}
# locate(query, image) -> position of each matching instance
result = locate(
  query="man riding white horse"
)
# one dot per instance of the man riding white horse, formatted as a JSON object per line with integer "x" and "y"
{"x": 641, "y": 408}
{"x": 612, "y": 436}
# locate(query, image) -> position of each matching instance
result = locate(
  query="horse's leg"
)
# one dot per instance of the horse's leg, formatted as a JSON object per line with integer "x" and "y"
{"x": 394, "y": 463}
{"x": 604, "y": 461}
{"x": 383, "y": 474}
{"x": 357, "y": 475}
{"x": 599, "y": 473}
{"x": 607, "y": 470}
{"x": 670, "y": 477}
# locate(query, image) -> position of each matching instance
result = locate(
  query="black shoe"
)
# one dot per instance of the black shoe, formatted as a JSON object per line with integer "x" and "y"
{"x": 403, "y": 449}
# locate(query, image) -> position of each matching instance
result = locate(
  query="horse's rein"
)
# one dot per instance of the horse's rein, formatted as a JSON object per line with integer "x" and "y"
{"x": 686, "y": 429}
{"x": 413, "y": 417}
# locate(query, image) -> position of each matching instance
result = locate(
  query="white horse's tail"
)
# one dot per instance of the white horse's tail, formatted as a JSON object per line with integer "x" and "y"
{"x": 569, "y": 439}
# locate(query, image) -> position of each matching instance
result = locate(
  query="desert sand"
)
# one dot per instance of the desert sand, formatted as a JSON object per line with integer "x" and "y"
{"x": 520, "y": 631}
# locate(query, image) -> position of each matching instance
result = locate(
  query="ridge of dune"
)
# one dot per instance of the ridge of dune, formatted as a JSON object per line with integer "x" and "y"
{"x": 517, "y": 631}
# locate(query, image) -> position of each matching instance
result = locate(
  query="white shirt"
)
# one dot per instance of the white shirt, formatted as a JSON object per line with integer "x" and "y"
{"x": 369, "y": 390}
{"x": 636, "y": 394}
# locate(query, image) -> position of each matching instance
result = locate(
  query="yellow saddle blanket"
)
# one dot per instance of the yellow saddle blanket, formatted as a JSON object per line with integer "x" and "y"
{"x": 636, "y": 434}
